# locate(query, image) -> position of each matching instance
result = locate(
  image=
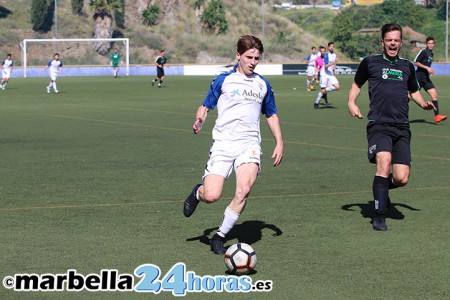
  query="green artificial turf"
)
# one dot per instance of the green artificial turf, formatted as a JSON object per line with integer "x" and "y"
{"x": 95, "y": 178}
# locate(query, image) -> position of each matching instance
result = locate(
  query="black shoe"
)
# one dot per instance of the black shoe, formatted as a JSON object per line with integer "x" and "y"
{"x": 379, "y": 223}
{"x": 216, "y": 243}
{"x": 153, "y": 82}
{"x": 316, "y": 106}
{"x": 191, "y": 202}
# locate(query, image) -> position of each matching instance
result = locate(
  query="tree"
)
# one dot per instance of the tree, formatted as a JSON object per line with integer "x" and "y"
{"x": 214, "y": 19}
{"x": 119, "y": 16}
{"x": 103, "y": 16}
{"x": 77, "y": 7}
{"x": 39, "y": 12}
{"x": 150, "y": 14}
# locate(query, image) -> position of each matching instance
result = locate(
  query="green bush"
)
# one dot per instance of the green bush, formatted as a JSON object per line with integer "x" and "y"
{"x": 214, "y": 19}
{"x": 77, "y": 7}
{"x": 151, "y": 14}
{"x": 39, "y": 11}
{"x": 119, "y": 16}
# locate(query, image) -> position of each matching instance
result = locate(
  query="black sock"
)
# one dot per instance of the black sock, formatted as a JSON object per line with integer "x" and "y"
{"x": 380, "y": 190}
{"x": 392, "y": 184}
{"x": 436, "y": 105}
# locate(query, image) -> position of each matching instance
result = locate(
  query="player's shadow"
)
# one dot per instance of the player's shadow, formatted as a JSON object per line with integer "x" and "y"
{"x": 4, "y": 12}
{"x": 422, "y": 121}
{"x": 248, "y": 232}
{"x": 367, "y": 210}
{"x": 327, "y": 106}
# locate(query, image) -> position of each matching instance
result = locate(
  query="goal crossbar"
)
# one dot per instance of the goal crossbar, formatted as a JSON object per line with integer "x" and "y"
{"x": 24, "y": 43}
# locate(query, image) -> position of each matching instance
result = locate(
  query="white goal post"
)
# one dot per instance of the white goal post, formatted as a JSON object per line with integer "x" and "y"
{"x": 24, "y": 43}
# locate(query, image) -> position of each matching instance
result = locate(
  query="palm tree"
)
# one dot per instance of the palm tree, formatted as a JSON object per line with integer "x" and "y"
{"x": 103, "y": 17}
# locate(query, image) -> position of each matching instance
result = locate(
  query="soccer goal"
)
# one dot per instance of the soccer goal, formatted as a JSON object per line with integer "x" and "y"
{"x": 26, "y": 42}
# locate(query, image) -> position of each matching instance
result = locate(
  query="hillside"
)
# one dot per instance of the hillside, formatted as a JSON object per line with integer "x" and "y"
{"x": 178, "y": 30}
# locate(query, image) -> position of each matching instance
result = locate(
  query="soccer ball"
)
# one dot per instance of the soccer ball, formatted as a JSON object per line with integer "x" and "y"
{"x": 240, "y": 259}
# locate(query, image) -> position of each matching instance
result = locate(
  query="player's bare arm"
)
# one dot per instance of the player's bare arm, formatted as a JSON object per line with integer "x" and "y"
{"x": 353, "y": 95}
{"x": 200, "y": 118}
{"x": 429, "y": 69}
{"x": 418, "y": 98}
{"x": 274, "y": 125}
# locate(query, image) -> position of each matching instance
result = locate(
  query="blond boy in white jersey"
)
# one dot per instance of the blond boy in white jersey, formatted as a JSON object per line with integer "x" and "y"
{"x": 240, "y": 96}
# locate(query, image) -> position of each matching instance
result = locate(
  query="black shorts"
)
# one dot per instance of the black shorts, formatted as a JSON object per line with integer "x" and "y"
{"x": 389, "y": 137}
{"x": 159, "y": 72}
{"x": 425, "y": 82}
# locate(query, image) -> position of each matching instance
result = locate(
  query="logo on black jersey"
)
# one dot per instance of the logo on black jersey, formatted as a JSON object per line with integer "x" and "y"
{"x": 392, "y": 74}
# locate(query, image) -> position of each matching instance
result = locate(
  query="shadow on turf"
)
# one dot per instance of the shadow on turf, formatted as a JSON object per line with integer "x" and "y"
{"x": 368, "y": 211}
{"x": 248, "y": 232}
{"x": 422, "y": 121}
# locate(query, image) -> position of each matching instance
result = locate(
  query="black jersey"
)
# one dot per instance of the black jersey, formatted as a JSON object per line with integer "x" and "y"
{"x": 389, "y": 84}
{"x": 161, "y": 60}
{"x": 425, "y": 57}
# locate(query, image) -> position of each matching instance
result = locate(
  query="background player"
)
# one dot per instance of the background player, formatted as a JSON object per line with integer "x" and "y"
{"x": 55, "y": 66}
{"x": 328, "y": 81}
{"x": 311, "y": 71}
{"x": 160, "y": 62}
{"x": 423, "y": 61}
{"x": 240, "y": 96}
{"x": 7, "y": 66}
{"x": 115, "y": 60}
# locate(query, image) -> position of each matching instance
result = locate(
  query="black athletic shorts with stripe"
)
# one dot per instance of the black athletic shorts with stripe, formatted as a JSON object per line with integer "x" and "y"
{"x": 389, "y": 137}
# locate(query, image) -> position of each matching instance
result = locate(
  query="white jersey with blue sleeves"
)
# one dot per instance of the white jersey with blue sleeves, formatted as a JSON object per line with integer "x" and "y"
{"x": 311, "y": 59}
{"x": 54, "y": 65}
{"x": 7, "y": 64}
{"x": 240, "y": 100}
{"x": 329, "y": 57}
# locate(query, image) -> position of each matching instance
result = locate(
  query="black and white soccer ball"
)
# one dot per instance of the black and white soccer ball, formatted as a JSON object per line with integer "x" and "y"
{"x": 240, "y": 259}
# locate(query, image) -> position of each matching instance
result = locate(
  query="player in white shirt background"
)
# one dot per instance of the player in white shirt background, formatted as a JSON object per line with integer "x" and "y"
{"x": 328, "y": 81}
{"x": 55, "y": 66}
{"x": 7, "y": 67}
{"x": 241, "y": 96}
{"x": 311, "y": 70}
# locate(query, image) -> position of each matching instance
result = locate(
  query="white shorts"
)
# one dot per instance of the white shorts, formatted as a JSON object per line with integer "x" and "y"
{"x": 6, "y": 73}
{"x": 53, "y": 76}
{"x": 223, "y": 156}
{"x": 327, "y": 80}
{"x": 311, "y": 71}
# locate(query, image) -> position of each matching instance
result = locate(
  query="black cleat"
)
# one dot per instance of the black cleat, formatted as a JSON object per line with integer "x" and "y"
{"x": 216, "y": 243}
{"x": 316, "y": 106}
{"x": 379, "y": 223}
{"x": 191, "y": 202}
{"x": 153, "y": 82}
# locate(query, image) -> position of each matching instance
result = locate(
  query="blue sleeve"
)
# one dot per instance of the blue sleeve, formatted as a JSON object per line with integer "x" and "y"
{"x": 12, "y": 63}
{"x": 61, "y": 64}
{"x": 214, "y": 92}
{"x": 49, "y": 63}
{"x": 268, "y": 106}
{"x": 309, "y": 57}
{"x": 3, "y": 63}
{"x": 325, "y": 59}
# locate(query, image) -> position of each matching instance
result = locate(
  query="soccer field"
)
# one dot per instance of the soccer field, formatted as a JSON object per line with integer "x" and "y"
{"x": 94, "y": 178}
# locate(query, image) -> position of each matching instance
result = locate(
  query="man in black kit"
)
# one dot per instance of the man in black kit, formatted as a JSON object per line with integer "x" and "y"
{"x": 160, "y": 62}
{"x": 423, "y": 61}
{"x": 390, "y": 79}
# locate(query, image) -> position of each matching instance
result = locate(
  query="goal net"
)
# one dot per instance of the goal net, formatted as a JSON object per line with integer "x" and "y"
{"x": 74, "y": 52}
